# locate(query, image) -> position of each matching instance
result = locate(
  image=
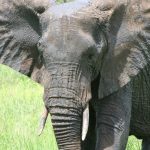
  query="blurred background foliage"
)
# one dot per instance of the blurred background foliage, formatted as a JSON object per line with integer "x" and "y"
{"x": 64, "y": 1}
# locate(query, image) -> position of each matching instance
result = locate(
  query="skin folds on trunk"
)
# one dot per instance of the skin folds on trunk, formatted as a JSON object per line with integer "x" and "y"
{"x": 65, "y": 98}
{"x": 67, "y": 121}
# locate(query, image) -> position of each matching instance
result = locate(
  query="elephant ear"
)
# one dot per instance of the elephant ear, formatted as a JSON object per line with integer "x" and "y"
{"x": 129, "y": 46}
{"x": 19, "y": 34}
{"x": 40, "y": 5}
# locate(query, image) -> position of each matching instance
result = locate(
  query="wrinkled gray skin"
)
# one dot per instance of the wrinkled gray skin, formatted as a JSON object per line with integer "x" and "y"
{"x": 84, "y": 52}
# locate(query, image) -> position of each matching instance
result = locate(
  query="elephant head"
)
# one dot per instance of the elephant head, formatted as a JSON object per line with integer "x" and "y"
{"x": 68, "y": 46}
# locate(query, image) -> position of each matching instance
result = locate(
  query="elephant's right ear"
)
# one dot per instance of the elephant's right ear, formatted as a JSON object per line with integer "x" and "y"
{"x": 19, "y": 34}
{"x": 129, "y": 45}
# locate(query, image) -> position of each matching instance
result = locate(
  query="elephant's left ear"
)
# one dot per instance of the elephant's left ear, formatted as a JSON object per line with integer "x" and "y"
{"x": 19, "y": 34}
{"x": 129, "y": 46}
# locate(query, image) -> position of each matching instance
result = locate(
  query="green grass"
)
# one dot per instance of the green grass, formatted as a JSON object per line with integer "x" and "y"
{"x": 21, "y": 105}
{"x": 133, "y": 144}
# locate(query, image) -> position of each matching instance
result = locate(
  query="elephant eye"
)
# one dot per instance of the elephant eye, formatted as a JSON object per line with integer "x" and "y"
{"x": 40, "y": 47}
{"x": 91, "y": 52}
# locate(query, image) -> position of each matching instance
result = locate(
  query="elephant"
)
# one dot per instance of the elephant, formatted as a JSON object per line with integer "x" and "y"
{"x": 93, "y": 59}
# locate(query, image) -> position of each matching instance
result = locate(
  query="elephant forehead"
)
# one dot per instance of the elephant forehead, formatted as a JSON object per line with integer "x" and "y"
{"x": 65, "y": 40}
{"x": 69, "y": 32}
{"x": 71, "y": 24}
{"x": 69, "y": 44}
{"x": 63, "y": 25}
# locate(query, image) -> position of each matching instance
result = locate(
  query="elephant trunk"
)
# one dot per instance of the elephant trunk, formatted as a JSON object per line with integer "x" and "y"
{"x": 85, "y": 122}
{"x": 66, "y": 97}
{"x": 67, "y": 124}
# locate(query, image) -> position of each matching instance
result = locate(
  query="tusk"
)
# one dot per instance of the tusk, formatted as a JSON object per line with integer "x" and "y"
{"x": 42, "y": 121}
{"x": 85, "y": 123}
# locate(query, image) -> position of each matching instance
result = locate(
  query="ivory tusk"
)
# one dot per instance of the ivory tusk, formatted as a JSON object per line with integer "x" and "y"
{"x": 85, "y": 123}
{"x": 42, "y": 121}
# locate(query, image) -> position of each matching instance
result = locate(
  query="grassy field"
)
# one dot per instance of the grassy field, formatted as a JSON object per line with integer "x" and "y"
{"x": 21, "y": 105}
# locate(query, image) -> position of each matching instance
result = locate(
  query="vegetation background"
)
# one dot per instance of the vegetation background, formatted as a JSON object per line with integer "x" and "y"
{"x": 21, "y": 106}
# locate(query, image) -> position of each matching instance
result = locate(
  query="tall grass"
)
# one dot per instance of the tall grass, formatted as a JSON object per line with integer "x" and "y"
{"x": 21, "y": 105}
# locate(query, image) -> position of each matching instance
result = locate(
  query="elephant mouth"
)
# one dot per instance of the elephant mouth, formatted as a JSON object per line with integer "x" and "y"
{"x": 68, "y": 98}
{"x": 85, "y": 121}
{"x": 78, "y": 98}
